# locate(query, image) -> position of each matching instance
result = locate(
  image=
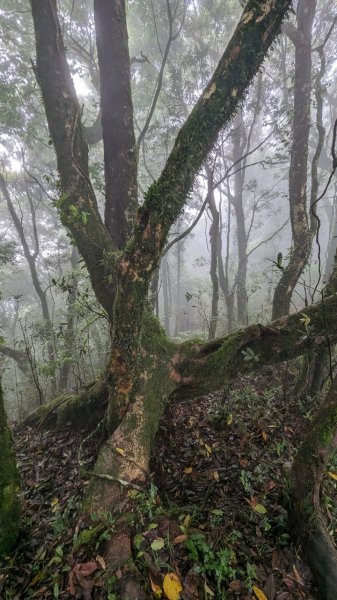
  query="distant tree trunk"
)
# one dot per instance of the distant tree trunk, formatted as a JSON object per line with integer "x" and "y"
{"x": 224, "y": 274}
{"x": 299, "y": 161}
{"x": 312, "y": 373}
{"x": 9, "y": 481}
{"x": 215, "y": 247}
{"x": 239, "y": 143}
{"x": 69, "y": 333}
{"x": 31, "y": 258}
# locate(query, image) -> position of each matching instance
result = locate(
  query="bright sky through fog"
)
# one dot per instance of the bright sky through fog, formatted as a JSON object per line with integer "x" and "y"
{"x": 12, "y": 163}
{"x": 80, "y": 86}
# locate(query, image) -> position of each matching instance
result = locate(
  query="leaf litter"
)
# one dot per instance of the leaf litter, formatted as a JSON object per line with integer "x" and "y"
{"x": 214, "y": 525}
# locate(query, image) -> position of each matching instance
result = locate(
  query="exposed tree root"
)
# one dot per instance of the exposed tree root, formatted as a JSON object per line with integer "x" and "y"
{"x": 306, "y": 513}
{"x": 81, "y": 411}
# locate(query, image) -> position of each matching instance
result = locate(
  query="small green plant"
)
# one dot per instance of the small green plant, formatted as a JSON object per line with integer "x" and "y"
{"x": 246, "y": 479}
{"x": 249, "y": 355}
{"x": 216, "y": 517}
{"x": 218, "y": 564}
{"x": 250, "y": 577}
{"x": 63, "y": 516}
{"x": 147, "y": 505}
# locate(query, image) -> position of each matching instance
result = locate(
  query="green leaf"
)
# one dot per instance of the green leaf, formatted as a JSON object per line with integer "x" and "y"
{"x": 56, "y": 590}
{"x": 260, "y": 509}
{"x": 157, "y": 544}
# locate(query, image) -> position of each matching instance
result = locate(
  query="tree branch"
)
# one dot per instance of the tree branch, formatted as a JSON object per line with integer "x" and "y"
{"x": 117, "y": 119}
{"x": 258, "y": 27}
{"x": 77, "y": 205}
{"x": 203, "y": 367}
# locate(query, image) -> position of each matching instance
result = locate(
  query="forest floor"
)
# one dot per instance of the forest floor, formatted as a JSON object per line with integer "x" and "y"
{"x": 214, "y": 519}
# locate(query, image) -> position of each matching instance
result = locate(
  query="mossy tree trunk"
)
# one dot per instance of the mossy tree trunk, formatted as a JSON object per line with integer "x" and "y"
{"x": 9, "y": 482}
{"x": 309, "y": 468}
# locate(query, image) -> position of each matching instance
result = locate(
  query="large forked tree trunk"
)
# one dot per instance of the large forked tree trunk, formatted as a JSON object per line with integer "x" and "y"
{"x": 143, "y": 369}
{"x": 9, "y": 481}
{"x": 299, "y": 160}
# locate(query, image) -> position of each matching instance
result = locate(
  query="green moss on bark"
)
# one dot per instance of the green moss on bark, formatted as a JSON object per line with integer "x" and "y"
{"x": 9, "y": 481}
{"x": 306, "y": 515}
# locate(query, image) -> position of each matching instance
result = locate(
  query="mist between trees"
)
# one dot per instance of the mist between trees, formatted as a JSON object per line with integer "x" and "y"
{"x": 221, "y": 267}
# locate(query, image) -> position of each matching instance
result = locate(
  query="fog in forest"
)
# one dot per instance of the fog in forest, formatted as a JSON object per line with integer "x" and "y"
{"x": 235, "y": 240}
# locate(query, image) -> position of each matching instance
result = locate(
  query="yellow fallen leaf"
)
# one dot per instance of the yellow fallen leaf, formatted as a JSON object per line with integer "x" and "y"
{"x": 230, "y": 419}
{"x": 187, "y": 521}
{"x": 120, "y": 451}
{"x": 332, "y": 475}
{"x": 54, "y": 504}
{"x": 208, "y": 449}
{"x": 260, "y": 509}
{"x": 158, "y": 592}
{"x": 259, "y": 593}
{"x": 208, "y": 590}
{"x": 172, "y": 586}
{"x": 188, "y": 470}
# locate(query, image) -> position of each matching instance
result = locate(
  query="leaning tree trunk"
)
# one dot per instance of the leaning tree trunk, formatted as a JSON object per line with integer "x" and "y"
{"x": 9, "y": 481}
{"x": 309, "y": 467}
{"x": 299, "y": 161}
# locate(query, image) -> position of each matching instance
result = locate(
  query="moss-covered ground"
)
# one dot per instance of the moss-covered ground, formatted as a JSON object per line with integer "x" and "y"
{"x": 215, "y": 516}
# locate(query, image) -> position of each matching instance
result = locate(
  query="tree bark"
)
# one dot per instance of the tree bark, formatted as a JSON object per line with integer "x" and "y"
{"x": 77, "y": 204}
{"x": 308, "y": 520}
{"x": 239, "y": 143}
{"x": 69, "y": 333}
{"x": 9, "y": 481}
{"x": 120, "y": 159}
{"x": 228, "y": 293}
{"x": 214, "y": 235}
{"x": 299, "y": 161}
